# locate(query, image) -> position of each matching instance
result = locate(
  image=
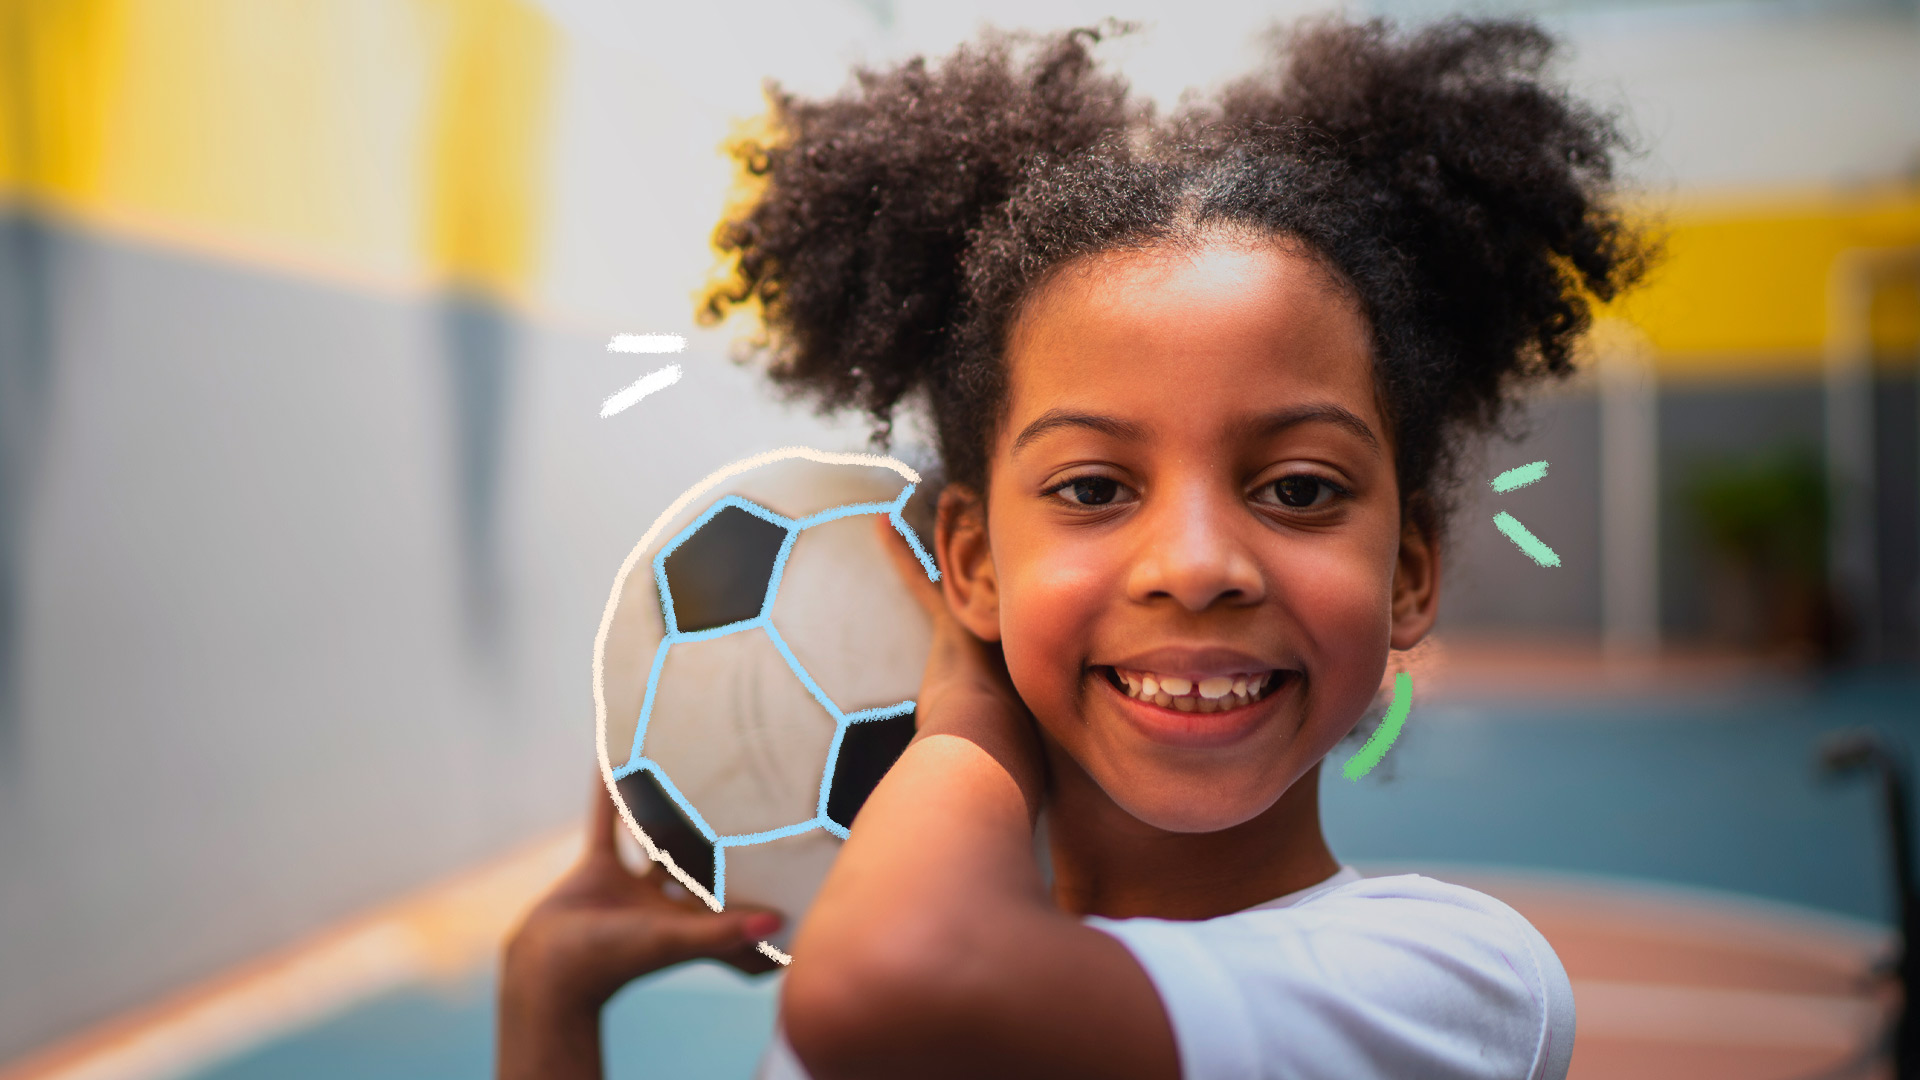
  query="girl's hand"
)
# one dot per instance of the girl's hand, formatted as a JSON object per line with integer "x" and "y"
{"x": 966, "y": 690}
{"x": 599, "y": 928}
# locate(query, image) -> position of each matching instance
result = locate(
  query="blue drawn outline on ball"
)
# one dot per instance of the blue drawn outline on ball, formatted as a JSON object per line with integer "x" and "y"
{"x": 764, "y": 623}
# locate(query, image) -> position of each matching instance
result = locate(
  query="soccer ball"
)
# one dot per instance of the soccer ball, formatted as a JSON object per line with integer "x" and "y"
{"x": 755, "y": 670}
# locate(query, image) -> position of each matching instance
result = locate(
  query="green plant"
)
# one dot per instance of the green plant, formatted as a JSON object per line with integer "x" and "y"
{"x": 1767, "y": 510}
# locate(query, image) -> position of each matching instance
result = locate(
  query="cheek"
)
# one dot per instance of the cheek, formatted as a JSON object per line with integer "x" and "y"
{"x": 1340, "y": 599}
{"x": 1049, "y": 607}
{"x": 1341, "y": 603}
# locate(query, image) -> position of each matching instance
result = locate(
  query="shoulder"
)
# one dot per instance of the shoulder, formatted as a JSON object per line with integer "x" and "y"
{"x": 1388, "y": 976}
{"x": 1442, "y": 918}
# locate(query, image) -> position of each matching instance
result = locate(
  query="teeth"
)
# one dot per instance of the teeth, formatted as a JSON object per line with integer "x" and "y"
{"x": 1217, "y": 693}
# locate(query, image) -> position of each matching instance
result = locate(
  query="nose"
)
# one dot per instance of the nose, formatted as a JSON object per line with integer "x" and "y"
{"x": 1194, "y": 552}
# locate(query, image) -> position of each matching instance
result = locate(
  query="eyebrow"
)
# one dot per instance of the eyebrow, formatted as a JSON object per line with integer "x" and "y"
{"x": 1274, "y": 423}
{"x": 1267, "y": 424}
{"x": 1054, "y": 419}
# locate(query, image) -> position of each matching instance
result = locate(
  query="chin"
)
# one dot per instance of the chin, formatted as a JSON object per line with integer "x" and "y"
{"x": 1181, "y": 802}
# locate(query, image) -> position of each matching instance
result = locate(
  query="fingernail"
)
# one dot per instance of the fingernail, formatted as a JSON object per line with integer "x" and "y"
{"x": 760, "y": 925}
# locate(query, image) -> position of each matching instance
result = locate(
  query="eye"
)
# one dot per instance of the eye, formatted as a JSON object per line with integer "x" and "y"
{"x": 1092, "y": 491}
{"x": 1301, "y": 491}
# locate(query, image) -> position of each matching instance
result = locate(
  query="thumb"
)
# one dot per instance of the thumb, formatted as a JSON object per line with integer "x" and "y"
{"x": 689, "y": 935}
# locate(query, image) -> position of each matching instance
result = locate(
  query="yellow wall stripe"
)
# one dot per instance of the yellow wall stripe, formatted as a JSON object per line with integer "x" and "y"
{"x": 1743, "y": 289}
{"x": 403, "y": 140}
{"x": 488, "y": 144}
{"x": 60, "y": 66}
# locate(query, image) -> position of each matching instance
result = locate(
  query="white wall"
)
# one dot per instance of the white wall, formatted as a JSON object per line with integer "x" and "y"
{"x": 1734, "y": 94}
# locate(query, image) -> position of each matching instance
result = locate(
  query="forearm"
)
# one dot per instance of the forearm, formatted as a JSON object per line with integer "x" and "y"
{"x": 543, "y": 1039}
{"x": 948, "y": 834}
{"x": 934, "y": 951}
{"x": 905, "y": 940}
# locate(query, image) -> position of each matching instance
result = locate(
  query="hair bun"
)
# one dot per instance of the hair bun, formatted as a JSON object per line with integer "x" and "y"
{"x": 855, "y": 246}
{"x": 1492, "y": 178}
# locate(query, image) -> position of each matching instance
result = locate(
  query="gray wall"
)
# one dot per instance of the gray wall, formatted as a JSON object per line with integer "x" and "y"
{"x": 1488, "y": 586}
{"x": 1705, "y": 422}
{"x": 253, "y": 690}
{"x": 1492, "y": 589}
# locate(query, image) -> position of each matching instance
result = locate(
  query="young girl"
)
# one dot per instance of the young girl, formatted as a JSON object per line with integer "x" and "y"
{"x": 1198, "y": 387}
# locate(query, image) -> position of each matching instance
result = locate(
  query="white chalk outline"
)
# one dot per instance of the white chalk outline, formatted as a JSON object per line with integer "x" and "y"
{"x": 627, "y": 398}
{"x": 647, "y": 343}
{"x": 667, "y": 516}
{"x": 763, "y": 622}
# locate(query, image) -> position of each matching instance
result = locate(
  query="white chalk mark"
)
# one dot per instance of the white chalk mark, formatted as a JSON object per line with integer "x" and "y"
{"x": 647, "y": 343}
{"x": 772, "y": 952}
{"x": 641, "y": 387}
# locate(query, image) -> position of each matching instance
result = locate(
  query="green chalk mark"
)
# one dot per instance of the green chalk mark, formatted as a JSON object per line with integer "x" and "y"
{"x": 1362, "y": 763}
{"x": 1519, "y": 477}
{"x": 1525, "y": 540}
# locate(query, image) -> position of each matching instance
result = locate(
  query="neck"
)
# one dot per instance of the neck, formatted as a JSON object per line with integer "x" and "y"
{"x": 1108, "y": 862}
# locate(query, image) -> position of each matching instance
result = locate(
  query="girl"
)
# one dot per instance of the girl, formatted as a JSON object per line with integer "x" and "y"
{"x": 1198, "y": 387}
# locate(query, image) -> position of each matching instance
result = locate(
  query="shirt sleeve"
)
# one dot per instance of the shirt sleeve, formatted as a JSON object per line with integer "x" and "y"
{"x": 1386, "y": 977}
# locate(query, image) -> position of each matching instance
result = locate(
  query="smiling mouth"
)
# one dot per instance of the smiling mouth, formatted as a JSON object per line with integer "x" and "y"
{"x": 1219, "y": 693}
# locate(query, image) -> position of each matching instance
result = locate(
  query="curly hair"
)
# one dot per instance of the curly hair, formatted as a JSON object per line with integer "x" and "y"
{"x": 1460, "y": 197}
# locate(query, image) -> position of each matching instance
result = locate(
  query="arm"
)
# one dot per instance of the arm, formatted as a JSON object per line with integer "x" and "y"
{"x": 933, "y": 949}
{"x": 601, "y": 927}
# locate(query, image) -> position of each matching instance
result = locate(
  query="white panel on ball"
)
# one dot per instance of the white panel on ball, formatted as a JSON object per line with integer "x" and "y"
{"x": 862, "y": 657}
{"x": 800, "y": 488}
{"x": 796, "y": 488}
{"x": 633, "y": 635}
{"x": 782, "y": 874}
{"x": 737, "y": 734}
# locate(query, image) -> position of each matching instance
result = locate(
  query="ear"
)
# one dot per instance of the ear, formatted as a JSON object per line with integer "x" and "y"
{"x": 966, "y": 562}
{"x": 1416, "y": 583}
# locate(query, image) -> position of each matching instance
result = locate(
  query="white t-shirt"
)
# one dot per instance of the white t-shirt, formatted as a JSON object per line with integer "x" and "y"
{"x": 1352, "y": 979}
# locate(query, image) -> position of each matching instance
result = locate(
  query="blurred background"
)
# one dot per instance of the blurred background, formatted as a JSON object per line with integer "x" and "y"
{"x": 307, "y": 516}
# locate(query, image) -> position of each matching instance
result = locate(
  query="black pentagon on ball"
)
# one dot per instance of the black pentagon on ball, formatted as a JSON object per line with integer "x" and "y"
{"x": 867, "y": 751}
{"x": 719, "y": 574}
{"x": 667, "y": 827}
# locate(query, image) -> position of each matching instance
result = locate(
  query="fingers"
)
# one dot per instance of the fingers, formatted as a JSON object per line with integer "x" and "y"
{"x": 713, "y": 935}
{"x": 925, "y": 593}
{"x": 603, "y": 826}
{"x": 751, "y": 961}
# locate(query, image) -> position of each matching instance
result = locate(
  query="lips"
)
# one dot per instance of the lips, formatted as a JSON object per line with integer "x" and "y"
{"x": 1196, "y": 699}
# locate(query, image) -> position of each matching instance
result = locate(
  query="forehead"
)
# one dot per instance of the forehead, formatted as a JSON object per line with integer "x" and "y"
{"x": 1225, "y": 325}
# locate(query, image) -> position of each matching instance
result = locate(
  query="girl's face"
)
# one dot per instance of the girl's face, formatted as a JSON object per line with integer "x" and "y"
{"x": 1194, "y": 556}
